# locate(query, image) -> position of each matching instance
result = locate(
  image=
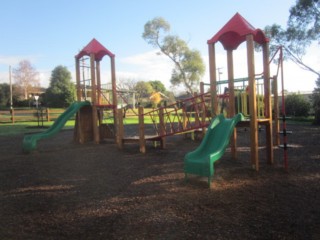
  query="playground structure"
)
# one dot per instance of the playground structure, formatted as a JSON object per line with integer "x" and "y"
{"x": 89, "y": 120}
{"x": 95, "y": 102}
{"x": 253, "y": 100}
{"x": 184, "y": 116}
{"x": 180, "y": 117}
{"x": 176, "y": 118}
{"x": 192, "y": 114}
{"x": 236, "y": 31}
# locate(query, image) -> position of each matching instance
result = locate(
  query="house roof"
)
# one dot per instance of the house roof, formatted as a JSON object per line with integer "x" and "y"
{"x": 234, "y": 32}
{"x": 96, "y": 48}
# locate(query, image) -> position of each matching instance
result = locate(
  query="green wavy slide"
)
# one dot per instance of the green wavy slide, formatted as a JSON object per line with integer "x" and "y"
{"x": 201, "y": 160}
{"x": 30, "y": 141}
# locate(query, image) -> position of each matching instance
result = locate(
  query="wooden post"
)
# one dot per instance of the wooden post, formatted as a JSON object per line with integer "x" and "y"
{"x": 276, "y": 110}
{"x": 142, "y": 142}
{"x": 213, "y": 80}
{"x": 201, "y": 87}
{"x": 267, "y": 103}
{"x": 203, "y": 108}
{"x": 162, "y": 128}
{"x": 203, "y": 115}
{"x": 96, "y": 136}
{"x": 252, "y": 103}
{"x": 196, "y": 111}
{"x": 93, "y": 79}
{"x": 12, "y": 114}
{"x": 48, "y": 114}
{"x": 98, "y": 89}
{"x": 98, "y": 82}
{"x": 266, "y": 81}
{"x": 78, "y": 79}
{"x": 203, "y": 111}
{"x": 76, "y": 129}
{"x": 231, "y": 108}
{"x": 114, "y": 91}
{"x": 184, "y": 121}
{"x": 231, "y": 105}
{"x": 120, "y": 129}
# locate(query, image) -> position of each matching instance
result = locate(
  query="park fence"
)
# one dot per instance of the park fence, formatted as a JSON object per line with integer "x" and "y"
{"x": 30, "y": 115}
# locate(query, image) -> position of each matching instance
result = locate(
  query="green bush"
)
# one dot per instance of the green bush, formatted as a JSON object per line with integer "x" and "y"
{"x": 297, "y": 106}
{"x": 316, "y": 102}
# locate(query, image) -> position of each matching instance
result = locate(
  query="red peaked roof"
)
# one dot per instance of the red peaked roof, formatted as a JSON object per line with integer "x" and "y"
{"x": 94, "y": 47}
{"x": 235, "y": 31}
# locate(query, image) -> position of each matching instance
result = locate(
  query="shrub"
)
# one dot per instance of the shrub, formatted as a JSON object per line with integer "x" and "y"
{"x": 297, "y": 106}
{"x": 316, "y": 102}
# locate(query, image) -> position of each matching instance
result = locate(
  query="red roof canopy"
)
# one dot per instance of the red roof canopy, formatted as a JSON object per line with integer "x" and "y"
{"x": 235, "y": 31}
{"x": 94, "y": 47}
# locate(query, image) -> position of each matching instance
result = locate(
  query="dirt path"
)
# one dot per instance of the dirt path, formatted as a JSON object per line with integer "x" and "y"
{"x": 71, "y": 191}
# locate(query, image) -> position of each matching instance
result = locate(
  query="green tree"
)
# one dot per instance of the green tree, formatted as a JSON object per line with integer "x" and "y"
{"x": 158, "y": 86}
{"x": 297, "y": 106}
{"x": 316, "y": 102}
{"x": 304, "y": 21}
{"x": 302, "y": 29}
{"x": 143, "y": 90}
{"x": 189, "y": 66}
{"x": 61, "y": 92}
{"x": 4, "y": 94}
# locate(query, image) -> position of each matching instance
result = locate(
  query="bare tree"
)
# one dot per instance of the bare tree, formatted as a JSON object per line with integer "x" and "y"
{"x": 126, "y": 84}
{"x": 26, "y": 77}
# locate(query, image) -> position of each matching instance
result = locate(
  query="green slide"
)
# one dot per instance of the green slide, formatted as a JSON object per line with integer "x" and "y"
{"x": 201, "y": 161}
{"x": 30, "y": 141}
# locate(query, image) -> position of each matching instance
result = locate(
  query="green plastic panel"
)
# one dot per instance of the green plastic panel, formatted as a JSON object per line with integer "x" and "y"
{"x": 201, "y": 160}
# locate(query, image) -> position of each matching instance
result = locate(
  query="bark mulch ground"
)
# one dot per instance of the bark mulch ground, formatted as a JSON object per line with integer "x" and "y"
{"x": 71, "y": 191}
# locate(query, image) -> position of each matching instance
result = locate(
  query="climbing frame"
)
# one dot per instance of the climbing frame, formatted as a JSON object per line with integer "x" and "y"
{"x": 95, "y": 51}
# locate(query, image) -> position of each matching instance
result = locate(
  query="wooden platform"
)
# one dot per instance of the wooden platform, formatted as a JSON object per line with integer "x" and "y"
{"x": 105, "y": 106}
{"x": 137, "y": 138}
{"x": 246, "y": 123}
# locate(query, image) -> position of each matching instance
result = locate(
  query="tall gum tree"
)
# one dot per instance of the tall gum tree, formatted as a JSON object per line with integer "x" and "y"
{"x": 303, "y": 28}
{"x": 189, "y": 67}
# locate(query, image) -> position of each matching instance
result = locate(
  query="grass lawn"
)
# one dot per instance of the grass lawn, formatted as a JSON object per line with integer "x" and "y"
{"x": 32, "y": 127}
{"x": 8, "y": 128}
{"x": 28, "y": 127}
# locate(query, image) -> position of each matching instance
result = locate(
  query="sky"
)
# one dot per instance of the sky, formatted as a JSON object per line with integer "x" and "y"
{"x": 49, "y": 33}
